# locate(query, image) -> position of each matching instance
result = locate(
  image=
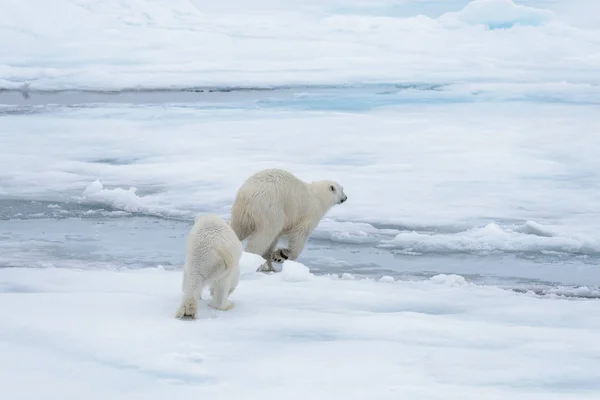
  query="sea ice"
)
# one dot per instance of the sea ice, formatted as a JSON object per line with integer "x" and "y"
{"x": 104, "y": 334}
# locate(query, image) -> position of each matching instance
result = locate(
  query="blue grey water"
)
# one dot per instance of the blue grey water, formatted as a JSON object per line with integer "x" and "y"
{"x": 71, "y": 235}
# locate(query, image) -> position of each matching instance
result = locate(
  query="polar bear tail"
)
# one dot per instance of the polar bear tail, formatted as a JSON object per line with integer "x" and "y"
{"x": 228, "y": 258}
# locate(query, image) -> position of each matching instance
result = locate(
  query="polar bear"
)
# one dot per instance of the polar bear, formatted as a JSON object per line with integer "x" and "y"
{"x": 212, "y": 255}
{"x": 274, "y": 203}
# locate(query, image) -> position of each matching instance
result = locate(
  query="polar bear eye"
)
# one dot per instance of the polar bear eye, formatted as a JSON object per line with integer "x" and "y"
{"x": 332, "y": 188}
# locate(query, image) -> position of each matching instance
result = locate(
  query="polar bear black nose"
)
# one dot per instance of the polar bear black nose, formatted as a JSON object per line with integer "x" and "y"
{"x": 344, "y": 199}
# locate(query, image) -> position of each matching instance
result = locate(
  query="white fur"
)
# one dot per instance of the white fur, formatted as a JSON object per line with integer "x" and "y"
{"x": 272, "y": 204}
{"x": 212, "y": 256}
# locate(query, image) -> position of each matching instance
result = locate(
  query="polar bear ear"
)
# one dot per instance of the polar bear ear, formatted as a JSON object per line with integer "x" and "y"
{"x": 332, "y": 188}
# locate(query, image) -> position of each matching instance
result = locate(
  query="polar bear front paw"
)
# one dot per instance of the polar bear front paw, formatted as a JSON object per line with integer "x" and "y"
{"x": 280, "y": 255}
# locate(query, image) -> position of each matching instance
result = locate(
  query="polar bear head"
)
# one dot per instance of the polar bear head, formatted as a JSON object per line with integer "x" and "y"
{"x": 330, "y": 193}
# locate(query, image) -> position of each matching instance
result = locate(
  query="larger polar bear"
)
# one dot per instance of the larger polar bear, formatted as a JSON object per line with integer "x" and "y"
{"x": 272, "y": 204}
{"x": 212, "y": 255}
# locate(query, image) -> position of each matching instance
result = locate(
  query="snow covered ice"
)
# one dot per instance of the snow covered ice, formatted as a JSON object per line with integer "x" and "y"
{"x": 111, "y": 334}
{"x": 116, "y": 44}
{"x": 465, "y": 264}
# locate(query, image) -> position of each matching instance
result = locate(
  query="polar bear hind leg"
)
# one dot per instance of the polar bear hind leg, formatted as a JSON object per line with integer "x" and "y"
{"x": 234, "y": 279}
{"x": 241, "y": 231}
{"x": 263, "y": 242}
{"x": 193, "y": 286}
{"x": 280, "y": 255}
{"x": 220, "y": 291}
{"x": 296, "y": 242}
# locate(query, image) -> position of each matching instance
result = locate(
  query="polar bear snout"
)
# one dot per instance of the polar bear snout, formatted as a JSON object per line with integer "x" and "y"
{"x": 343, "y": 199}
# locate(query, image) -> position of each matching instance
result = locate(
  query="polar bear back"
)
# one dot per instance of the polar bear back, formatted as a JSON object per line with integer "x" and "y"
{"x": 275, "y": 193}
{"x": 211, "y": 240}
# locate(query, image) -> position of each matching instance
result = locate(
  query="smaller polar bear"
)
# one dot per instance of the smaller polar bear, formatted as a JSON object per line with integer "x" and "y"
{"x": 212, "y": 256}
{"x": 274, "y": 203}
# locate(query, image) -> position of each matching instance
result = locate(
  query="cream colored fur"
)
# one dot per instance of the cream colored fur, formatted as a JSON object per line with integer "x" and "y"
{"x": 272, "y": 204}
{"x": 212, "y": 258}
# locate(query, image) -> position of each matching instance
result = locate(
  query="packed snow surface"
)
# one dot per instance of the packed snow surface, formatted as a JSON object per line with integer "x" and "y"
{"x": 68, "y": 334}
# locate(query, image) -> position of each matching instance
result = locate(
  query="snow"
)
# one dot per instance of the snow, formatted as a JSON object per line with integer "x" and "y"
{"x": 501, "y": 14}
{"x": 112, "y": 334}
{"x": 295, "y": 272}
{"x": 489, "y": 238}
{"x": 451, "y": 280}
{"x": 126, "y": 200}
{"x": 387, "y": 279}
{"x": 347, "y": 277}
{"x": 133, "y": 44}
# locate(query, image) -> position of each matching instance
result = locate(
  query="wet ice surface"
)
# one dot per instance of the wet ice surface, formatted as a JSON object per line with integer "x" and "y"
{"x": 499, "y": 192}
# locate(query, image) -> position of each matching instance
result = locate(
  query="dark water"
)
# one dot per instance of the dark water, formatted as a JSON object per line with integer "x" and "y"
{"x": 359, "y": 97}
{"x": 70, "y": 235}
